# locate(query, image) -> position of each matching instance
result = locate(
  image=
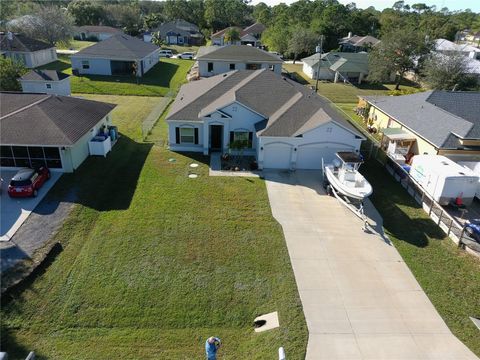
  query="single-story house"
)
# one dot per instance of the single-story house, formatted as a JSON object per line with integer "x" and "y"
{"x": 94, "y": 32}
{"x": 31, "y": 52}
{"x": 177, "y": 32}
{"x": 248, "y": 36}
{"x": 337, "y": 66}
{"x": 289, "y": 127}
{"x": 214, "y": 60}
{"x": 43, "y": 129}
{"x": 442, "y": 122}
{"x": 118, "y": 55}
{"x": 357, "y": 43}
{"x": 447, "y": 47}
{"x": 46, "y": 81}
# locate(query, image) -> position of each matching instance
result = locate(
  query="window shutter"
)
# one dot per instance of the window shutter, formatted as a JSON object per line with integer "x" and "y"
{"x": 250, "y": 139}
{"x": 196, "y": 136}
{"x": 231, "y": 136}
{"x": 177, "y": 135}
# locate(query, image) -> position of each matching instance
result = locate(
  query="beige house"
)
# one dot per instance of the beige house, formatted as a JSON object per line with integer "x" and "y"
{"x": 432, "y": 122}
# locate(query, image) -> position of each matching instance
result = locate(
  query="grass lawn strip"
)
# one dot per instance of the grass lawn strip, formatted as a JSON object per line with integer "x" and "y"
{"x": 165, "y": 78}
{"x": 154, "y": 263}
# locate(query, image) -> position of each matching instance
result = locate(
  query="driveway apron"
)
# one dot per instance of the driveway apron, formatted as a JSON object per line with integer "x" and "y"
{"x": 359, "y": 298}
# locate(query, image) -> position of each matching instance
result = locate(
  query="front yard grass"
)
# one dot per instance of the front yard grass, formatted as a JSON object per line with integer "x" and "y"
{"x": 163, "y": 79}
{"x": 76, "y": 45}
{"x": 154, "y": 262}
{"x": 449, "y": 276}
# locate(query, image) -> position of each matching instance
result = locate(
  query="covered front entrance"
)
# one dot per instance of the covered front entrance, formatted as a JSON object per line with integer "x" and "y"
{"x": 216, "y": 135}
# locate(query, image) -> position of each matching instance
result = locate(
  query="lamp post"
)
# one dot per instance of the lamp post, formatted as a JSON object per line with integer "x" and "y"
{"x": 318, "y": 50}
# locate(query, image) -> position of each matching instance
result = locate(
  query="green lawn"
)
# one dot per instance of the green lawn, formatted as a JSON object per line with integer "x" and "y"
{"x": 76, "y": 45}
{"x": 154, "y": 262}
{"x": 165, "y": 78}
{"x": 450, "y": 278}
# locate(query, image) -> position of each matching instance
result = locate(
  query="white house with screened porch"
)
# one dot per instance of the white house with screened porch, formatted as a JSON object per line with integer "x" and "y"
{"x": 283, "y": 124}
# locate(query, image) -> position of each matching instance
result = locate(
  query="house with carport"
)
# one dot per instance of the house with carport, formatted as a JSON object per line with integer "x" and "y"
{"x": 282, "y": 123}
{"x": 214, "y": 60}
{"x": 49, "y": 130}
{"x": 433, "y": 122}
{"x": 120, "y": 54}
{"x": 26, "y": 50}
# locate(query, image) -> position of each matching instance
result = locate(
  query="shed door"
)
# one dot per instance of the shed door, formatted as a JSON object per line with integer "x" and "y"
{"x": 277, "y": 156}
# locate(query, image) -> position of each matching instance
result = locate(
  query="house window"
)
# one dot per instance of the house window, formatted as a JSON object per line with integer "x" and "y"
{"x": 210, "y": 67}
{"x": 242, "y": 136}
{"x": 329, "y": 129}
{"x": 253, "y": 66}
{"x": 49, "y": 86}
{"x": 187, "y": 136}
{"x": 232, "y": 66}
{"x": 85, "y": 64}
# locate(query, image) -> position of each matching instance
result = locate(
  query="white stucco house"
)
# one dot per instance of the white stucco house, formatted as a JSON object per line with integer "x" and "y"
{"x": 283, "y": 124}
{"x": 337, "y": 66}
{"x": 118, "y": 55}
{"x": 43, "y": 129}
{"x": 214, "y": 60}
{"x": 30, "y": 52}
{"x": 94, "y": 32}
{"x": 46, "y": 82}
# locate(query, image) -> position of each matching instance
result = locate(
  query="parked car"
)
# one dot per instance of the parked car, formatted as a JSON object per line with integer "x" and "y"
{"x": 27, "y": 181}
{"x": 186, "y": 55}
{"x": 165, "y": 53}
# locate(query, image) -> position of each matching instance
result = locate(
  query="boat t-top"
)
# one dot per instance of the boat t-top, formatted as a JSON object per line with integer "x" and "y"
{"x": 343, "y": 176}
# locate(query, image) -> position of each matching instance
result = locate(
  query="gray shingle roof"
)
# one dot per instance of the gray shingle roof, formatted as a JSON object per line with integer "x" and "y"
{"x": 120, "y": 46}
{"x": 44, "y": 75}
{"x": 435, "y": 115}
{"x": 340, "y": 61}
{"x": 40, "y": 119}
{"x": 179, "y": 27}
{"x": 236, "y": 53}
{"x": 22, "y": 43}
{"x": 289, "y": 108}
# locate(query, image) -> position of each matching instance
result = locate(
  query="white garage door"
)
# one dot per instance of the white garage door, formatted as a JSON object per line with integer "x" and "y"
{"x": 277, "y": 156}
{"x": 310, "y": 157}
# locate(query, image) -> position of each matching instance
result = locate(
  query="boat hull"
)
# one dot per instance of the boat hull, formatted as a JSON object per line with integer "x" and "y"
{"x": 357, "y": 193}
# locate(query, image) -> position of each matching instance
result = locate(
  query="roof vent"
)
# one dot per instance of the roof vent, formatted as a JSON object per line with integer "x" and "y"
{"x": 9, "y": 36}
{"x": 461, "y": 173}
{"x": 225, "y": 75}
{"x": 444, "y": 163}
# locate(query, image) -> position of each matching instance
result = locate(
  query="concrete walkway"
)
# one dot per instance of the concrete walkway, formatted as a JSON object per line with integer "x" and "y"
{"x": 359, "y": 298}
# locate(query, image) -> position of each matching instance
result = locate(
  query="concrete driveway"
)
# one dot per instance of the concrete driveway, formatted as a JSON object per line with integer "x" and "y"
{"x": 13, "y": 212}
{"x": 359, "y": 298}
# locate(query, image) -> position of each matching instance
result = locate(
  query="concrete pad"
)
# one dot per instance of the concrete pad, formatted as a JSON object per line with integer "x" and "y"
{"x": 359, "y": 298}
{"x": 14, "y": 211}
{"x": 271, "y": 320}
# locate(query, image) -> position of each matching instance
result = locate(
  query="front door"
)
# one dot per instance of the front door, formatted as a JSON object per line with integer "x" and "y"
{"x": 216, "y": 134}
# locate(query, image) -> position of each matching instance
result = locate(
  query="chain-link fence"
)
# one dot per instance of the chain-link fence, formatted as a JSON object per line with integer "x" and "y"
{"x": 149, "y": 122}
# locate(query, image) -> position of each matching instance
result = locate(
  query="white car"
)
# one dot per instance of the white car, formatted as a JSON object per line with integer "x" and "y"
{"x": 165, "y": 53}
{"x": 186, "y": 55}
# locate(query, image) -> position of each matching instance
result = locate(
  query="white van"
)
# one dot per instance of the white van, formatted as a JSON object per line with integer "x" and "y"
{"x": 165, "y": 53}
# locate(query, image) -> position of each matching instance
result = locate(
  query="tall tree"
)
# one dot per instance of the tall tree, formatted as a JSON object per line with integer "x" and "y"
{"x": 50, "y": 24}
{"x": 447, "y": 72}
{"x": 232, "y": 35}
{"x": 302, "y": 41}
{"x": 86, "y": 12}
{"x": 10, "y": 71}
{"x": 398, "y": 52}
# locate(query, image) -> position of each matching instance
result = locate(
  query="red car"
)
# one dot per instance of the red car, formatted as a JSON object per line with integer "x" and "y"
{"x": 26, "y": 182}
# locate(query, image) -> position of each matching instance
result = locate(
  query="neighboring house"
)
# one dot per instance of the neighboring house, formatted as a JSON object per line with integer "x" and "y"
{"x": 94, "y": 33}
{"x": 447, "y": 47}
{"x": 46, "y": 81}
{"x": 117, "y": 55}
{"x": 337, "y": 66}
{"x": 42, "y": 129}
{"x": 214, "y": 60}
{"x": 357, "y": 43}
{"x": 177, "y": 32}
{"x": 283, "y": 124}
{"x": 473, "y": 38}
{"x": 30, "y": 52}
{"x": 442, "y": 122}
{"x": 249, "y": 36}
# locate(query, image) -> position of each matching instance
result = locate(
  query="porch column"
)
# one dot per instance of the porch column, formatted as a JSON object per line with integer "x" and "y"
{"x": 360, "y": 78}
{"x": 336, "y": 77}
{"x": 206, "y": 136}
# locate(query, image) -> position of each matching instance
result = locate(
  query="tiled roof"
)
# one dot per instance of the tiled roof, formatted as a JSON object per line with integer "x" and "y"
{"x": 290, "y": 111}
{"x": 40, "y": 119}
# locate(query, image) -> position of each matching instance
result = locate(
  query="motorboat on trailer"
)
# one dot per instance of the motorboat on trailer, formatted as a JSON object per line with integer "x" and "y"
{"x": 343, "y": 176}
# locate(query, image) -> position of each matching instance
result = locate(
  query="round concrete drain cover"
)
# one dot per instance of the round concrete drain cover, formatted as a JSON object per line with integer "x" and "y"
{"x": 171, "y": 160}
{"x": 193, "y": 176}
{"x": 193, "y": 165}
